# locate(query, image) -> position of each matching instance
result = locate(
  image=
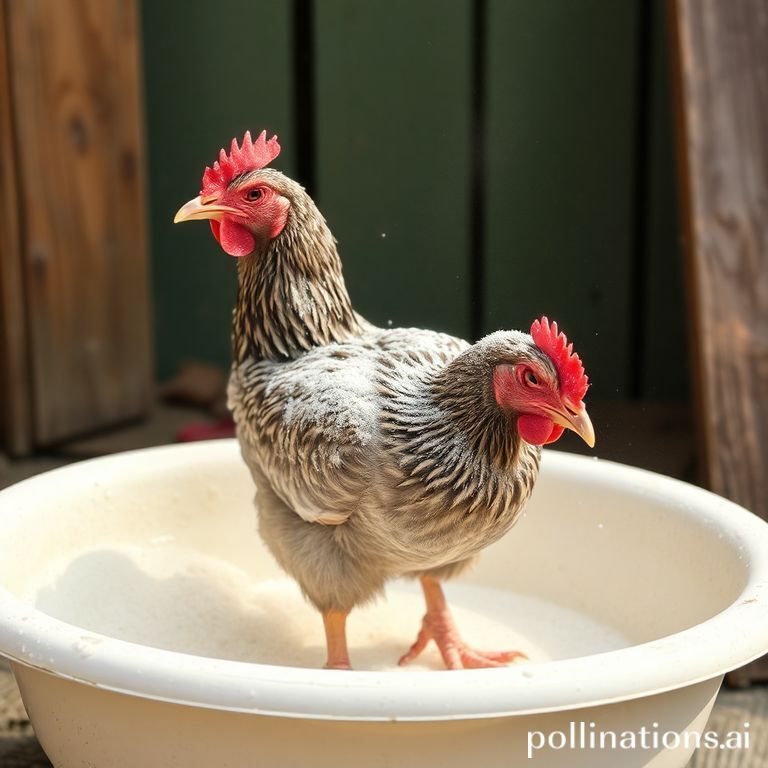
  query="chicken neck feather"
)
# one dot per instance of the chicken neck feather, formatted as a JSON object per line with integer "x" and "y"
{"x": 291, "y": 291}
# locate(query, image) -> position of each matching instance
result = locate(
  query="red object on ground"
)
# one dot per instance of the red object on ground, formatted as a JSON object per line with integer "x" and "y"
{"x": 209, "y": 430}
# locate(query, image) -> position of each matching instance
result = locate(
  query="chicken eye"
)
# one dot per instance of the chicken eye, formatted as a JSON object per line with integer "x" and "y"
{"x": 530, "y": 378}
{"x": 253, "y": 194}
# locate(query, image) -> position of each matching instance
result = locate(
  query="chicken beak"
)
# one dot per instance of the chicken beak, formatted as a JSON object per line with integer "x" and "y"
{"x": 580, "y": 423}
{"x": 199, "y": 209}
{"x": 576, "y": 419}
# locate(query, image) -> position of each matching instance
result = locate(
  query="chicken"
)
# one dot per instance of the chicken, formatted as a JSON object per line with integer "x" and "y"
{"x": 376, "y": 453}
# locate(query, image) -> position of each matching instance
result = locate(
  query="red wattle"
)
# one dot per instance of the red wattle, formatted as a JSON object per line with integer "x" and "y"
{"x": 557, "y": 432}
{"x": 537, "y": 430}
{"x": 235, "y": 239}
{"x": 215, "y": 229}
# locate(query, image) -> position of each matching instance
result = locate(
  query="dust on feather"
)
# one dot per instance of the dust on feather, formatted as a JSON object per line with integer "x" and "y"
{"x": 335, "y": 394}
{"x": 301, "y": 297}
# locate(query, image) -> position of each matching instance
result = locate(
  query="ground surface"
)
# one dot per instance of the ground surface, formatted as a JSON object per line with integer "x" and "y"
{"x": 631, "y": 434}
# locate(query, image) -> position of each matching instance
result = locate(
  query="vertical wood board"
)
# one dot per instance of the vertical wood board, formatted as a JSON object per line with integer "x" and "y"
{"x": 15, "y": 383}
{"x": 77, "y": 123}
{"x": 393, "y": 159}
{"x": 723, "y": 146}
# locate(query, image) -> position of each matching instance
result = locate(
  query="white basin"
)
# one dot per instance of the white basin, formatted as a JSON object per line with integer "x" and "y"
{"x": 148, "y": 626}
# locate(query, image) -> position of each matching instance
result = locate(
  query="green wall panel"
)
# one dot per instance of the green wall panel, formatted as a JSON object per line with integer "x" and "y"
{"x": 665, "y": 362}
{"x": 212, "y": 71}
{"x": 561, "y": 117}
{"x": 393, "y": 101}
{"x": 393, "y": 149}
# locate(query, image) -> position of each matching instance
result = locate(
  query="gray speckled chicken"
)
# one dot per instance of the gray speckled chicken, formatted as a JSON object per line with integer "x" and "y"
{"x": 376, "y": 453}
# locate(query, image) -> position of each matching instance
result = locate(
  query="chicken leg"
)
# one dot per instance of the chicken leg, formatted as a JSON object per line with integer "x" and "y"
{"x": 438, "y": 625}
{"x": 336, "y": 640}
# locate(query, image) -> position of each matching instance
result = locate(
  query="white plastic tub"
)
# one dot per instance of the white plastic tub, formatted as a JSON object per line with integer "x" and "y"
{"x": 137, "y": 602}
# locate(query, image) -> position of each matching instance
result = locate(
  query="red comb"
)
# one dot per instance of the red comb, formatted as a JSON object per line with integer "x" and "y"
{"x": 573, "y": 380}
{"x": 251, "y": 156}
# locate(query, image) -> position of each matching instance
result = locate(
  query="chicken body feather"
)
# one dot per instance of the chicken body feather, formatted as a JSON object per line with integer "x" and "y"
{"x": 379, "y": 457}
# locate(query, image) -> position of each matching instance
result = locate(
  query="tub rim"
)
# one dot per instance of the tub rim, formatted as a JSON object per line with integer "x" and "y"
{"x": 735, "y": 636}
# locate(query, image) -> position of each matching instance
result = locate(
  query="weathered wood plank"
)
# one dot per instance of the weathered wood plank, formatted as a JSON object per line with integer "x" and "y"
{"x": 78, "y": 130}
{"x": 228, "y": 70}
{"x": 560, "y": 174}
{"x": 15, "y": 392}
{"x": 722, "y": 83}
{"x": 394, "y": 149}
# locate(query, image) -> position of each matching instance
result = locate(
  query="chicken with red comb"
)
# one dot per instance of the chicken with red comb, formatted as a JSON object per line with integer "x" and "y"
{"x": 542, "y": 428}
{"x": 228, "y": 212}
{"x": 377, "y": 452}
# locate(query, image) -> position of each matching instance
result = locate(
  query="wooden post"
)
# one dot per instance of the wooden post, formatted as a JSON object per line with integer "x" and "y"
{"x": 722, "y": 101}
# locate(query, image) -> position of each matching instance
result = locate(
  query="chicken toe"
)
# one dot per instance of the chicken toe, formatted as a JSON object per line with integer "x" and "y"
{"x": 438, "y": 625}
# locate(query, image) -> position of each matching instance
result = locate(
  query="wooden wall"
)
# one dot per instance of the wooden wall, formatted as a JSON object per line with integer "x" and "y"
{"x": 723, "y": 140}
{"x": 75, "y": 339}
{"x": 481, "y": 162}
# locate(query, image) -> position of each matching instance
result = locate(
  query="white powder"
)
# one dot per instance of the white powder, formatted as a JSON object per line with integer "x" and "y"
{"x": 336, "y": 394}
{"x": 181, "y": 600}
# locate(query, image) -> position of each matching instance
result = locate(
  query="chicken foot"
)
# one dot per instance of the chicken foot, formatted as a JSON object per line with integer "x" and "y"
{"x": 438, "y": 625}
